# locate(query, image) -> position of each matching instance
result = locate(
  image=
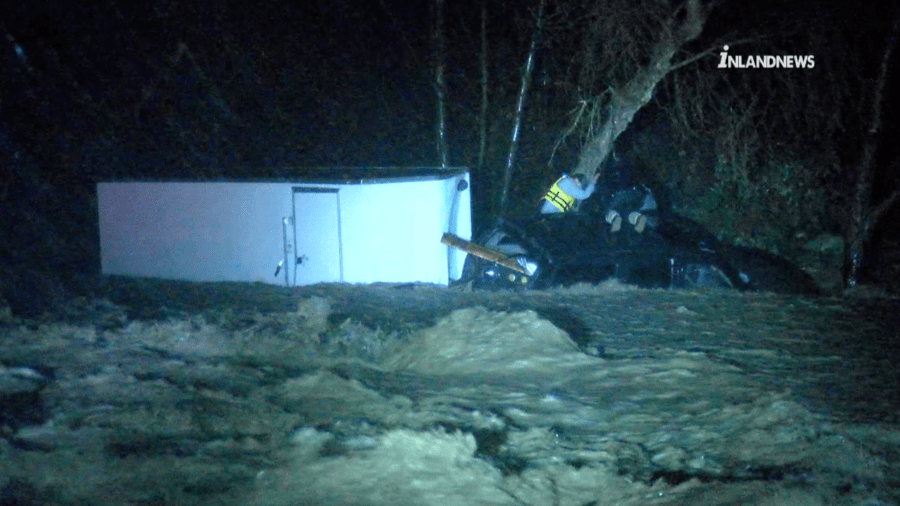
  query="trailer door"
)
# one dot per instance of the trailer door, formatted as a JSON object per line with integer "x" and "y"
{"x": 317, "y": 236}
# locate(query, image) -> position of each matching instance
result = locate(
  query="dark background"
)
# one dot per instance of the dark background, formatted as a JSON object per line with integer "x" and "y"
{"x": 107, "y": 90}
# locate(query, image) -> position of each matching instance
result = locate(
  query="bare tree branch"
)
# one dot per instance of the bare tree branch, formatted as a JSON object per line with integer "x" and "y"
{"x": 863, "y": 218}
{"x": 713, "y": 49}
{"x": 520, "y": 106}
{"x": 638, "y": 91}
{"x": 882, "y": 208}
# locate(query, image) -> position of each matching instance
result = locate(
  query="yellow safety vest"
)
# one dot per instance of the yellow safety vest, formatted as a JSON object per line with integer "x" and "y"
{"x": 560, "y": 199}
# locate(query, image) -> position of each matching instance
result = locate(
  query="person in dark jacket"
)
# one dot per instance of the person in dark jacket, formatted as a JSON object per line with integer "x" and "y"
{"x": 634, "y": 205}
{"x": 626, "y": 202}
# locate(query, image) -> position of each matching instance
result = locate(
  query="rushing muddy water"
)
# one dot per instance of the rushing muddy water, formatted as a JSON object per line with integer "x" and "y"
{"x": 186, "y": 394}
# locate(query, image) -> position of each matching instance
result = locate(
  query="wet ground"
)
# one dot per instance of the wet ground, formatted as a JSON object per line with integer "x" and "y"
{"x": 177, "y": 393}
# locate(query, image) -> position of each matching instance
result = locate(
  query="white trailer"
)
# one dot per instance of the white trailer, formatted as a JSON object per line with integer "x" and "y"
{"x": 332, "y": 225}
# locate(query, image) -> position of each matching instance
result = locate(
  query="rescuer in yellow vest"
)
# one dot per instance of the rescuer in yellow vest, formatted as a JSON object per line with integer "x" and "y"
{"x": 565, "y": 192}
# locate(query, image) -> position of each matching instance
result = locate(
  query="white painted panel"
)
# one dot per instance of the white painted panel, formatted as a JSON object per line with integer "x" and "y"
{"x": 193, "y": 231}
{"x": 392, "y": 232}
{"x": 457, "y": 218}
{"x": 317, "y": 236}
{"x": 383, "y": 231}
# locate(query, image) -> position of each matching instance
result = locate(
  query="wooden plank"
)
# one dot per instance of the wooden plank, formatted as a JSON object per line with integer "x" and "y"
{"x": 480, "y": 251}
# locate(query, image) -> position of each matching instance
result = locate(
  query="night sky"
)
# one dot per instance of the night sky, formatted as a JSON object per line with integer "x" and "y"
{"x": 311, "y": 83}
{"x": 103, "y": 90}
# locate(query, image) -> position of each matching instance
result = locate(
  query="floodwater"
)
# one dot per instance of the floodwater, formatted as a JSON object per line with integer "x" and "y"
{"x": 175, "y": 393}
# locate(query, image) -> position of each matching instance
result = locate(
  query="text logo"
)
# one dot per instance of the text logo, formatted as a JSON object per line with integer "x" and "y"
{"x": 765, "y": 61}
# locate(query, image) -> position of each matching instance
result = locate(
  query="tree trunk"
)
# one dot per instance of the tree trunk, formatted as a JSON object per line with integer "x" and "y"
{"x": 863, "y": 216}
{"x": 627, "y": 101}
{"x": 439, "y": 83}
{"x": 520, "y": 106}
{"x": 482, "y": 117}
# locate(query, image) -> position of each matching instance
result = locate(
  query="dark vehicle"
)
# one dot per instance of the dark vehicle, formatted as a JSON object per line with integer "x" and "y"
{"x": 563, "y": 249}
